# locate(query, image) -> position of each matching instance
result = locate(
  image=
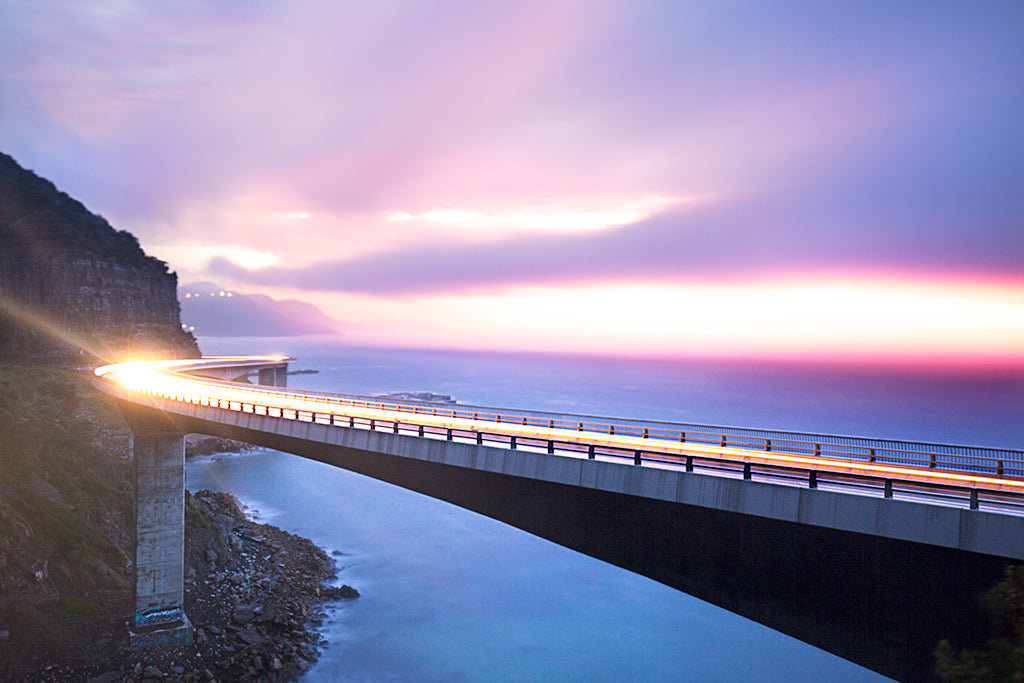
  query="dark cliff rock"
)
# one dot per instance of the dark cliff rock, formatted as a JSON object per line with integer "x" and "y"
{"x": 74, "y": 288}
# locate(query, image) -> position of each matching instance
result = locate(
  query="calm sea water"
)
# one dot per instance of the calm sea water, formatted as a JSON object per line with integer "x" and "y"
{"x": 448, "y": 595}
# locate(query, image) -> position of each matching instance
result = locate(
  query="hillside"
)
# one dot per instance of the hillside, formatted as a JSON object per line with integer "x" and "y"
{"x": 74, "y": 289}
{"x": 65, "y": 517}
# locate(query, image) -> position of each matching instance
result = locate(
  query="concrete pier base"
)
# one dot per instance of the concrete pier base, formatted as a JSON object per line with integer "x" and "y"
{"x": 159, "y": 457}
{"x": 161, "y": 637}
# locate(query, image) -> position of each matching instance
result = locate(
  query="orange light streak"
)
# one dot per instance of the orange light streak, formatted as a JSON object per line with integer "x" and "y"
{"x": 166, "y": 379}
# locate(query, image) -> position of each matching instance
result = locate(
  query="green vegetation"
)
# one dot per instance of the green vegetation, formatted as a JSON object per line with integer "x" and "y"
{"x": 1002, "y": 658}
{"x": 65, "y": 503}
{"x": 78, "y": 606}
{"x": 57, "y": 429}
{"x": 195, "y": 517}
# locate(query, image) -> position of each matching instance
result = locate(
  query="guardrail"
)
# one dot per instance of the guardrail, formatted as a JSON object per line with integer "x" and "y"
{"x": 1002, "y": 463}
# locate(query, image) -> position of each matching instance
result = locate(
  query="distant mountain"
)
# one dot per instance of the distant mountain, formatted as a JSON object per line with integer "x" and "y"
{"x": 209, "y": 310}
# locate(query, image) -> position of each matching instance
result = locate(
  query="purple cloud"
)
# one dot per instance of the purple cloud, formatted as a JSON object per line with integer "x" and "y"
{"x": 861, "y": 137}
{"x": 741, "y": 241}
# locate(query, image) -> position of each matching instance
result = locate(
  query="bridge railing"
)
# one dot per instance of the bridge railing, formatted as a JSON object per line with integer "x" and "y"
{"x": 658, "y": 443}
{"x": 886, "y": 485}
{"x": 993, "y": 461}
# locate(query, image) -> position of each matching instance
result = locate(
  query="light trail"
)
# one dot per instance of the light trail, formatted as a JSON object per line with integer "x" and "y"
{"x": 169, "y": 379}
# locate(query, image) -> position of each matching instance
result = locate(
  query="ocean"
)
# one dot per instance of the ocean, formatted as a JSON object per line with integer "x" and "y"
{"x": 449, "y": 595}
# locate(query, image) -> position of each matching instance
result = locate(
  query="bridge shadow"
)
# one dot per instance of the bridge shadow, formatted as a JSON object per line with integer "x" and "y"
{"x": 882, "y": 603}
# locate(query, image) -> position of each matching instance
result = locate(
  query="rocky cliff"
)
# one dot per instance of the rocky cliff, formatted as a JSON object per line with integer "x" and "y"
{"x": 74, "y": 288}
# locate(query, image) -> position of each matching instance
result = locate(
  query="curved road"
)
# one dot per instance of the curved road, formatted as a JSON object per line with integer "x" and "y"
{"x": 176, "y": 380}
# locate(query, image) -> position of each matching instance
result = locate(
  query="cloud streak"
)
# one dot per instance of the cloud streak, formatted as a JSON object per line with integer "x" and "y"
{"x": 711, "y": 243}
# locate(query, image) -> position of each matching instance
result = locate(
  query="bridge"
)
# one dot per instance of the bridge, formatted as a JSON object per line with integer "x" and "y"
{"x": 871, "y": 549}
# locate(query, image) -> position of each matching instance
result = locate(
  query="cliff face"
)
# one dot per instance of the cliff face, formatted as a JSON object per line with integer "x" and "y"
{"x": 72, "y": 287}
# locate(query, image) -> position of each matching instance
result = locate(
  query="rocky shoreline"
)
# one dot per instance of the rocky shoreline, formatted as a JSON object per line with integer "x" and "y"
{"x": 203, "y": 444}
{"x": 255, "y": 595}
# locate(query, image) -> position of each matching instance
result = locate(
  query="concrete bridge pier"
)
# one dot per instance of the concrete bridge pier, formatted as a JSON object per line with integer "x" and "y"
{"x": 276, "y": 376}
{"x": 158, "y": 453}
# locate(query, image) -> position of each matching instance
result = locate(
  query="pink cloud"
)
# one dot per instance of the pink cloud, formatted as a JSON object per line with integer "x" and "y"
{"x": 850, "y": 137}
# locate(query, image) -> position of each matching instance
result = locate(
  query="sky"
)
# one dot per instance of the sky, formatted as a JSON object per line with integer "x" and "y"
{"x": 796, "y": 179}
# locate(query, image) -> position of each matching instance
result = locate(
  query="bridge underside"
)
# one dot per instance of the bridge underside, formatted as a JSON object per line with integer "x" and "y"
{"x": 881, "y": 602}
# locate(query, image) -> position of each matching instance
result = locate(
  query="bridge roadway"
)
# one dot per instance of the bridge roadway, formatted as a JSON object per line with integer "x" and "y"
{"x": 761, "y": 523}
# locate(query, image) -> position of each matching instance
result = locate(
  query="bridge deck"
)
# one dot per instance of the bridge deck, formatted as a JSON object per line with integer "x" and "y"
{"x": 960, "y": 476}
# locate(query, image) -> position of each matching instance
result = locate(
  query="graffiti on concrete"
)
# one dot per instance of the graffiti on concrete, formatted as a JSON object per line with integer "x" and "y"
{"x": 159, "y": 616}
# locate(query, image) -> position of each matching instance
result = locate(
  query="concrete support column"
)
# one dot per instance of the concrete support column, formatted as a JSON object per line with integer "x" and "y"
{"x": 274, "y": 377}
{"x": 159, "y": 611}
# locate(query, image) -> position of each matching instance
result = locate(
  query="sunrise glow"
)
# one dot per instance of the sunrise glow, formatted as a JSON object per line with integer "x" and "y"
{"x": 643, "y": 179}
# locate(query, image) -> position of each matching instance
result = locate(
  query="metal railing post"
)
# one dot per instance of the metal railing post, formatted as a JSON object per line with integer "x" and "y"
{"x": 590, "y": 452}
{"x": 812, "y": 480}
{"x": 636, "y": 458}
{"x": 974, "y": 499}
{"x": 888, "y": 488}
{"x": 746, "y": 470}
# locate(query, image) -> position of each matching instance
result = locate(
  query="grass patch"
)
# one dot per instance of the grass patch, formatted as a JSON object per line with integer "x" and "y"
{"x": 78, "y": 606}
{"x": 194, "y": 516}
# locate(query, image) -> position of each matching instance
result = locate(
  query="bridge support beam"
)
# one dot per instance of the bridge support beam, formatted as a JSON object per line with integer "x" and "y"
{"x": 158, "y": 452}
{"x": 274, "y": 377}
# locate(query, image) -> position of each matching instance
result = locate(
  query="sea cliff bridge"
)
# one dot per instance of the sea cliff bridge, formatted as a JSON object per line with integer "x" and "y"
{"x": 871, "y": 549}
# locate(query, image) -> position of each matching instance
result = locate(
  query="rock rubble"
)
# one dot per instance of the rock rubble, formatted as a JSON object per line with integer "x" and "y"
{"x": 255, "y": 595}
